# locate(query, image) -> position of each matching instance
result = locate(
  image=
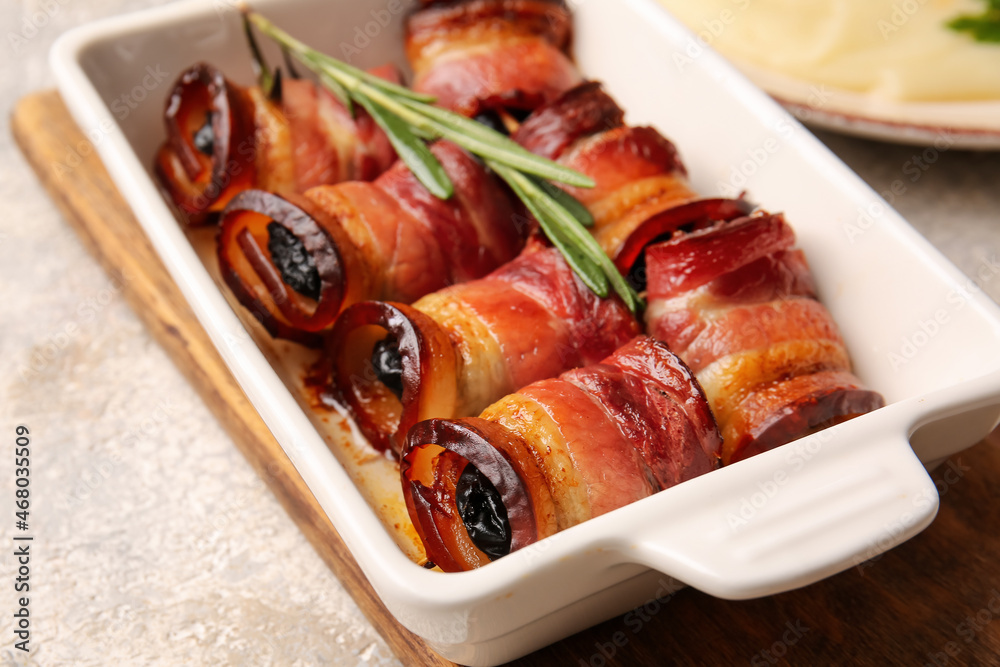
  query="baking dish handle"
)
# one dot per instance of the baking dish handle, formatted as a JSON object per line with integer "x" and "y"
{"x": 791, "y": 516}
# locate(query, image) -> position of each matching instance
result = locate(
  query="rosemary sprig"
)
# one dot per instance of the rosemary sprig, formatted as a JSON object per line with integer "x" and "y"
{"x": 411, "y": 149}
{"x": 410, "y": 121}
{"x": 260, "y": 69}
{"x": 580, "y": 249}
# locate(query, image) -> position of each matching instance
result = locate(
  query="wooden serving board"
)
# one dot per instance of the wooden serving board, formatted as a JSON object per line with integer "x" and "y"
{"x": 934, "y": 600}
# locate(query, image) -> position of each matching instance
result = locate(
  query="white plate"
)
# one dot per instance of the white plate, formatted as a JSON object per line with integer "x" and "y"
{"x": 966, "y": 125}
{"x": 919, "y": 331}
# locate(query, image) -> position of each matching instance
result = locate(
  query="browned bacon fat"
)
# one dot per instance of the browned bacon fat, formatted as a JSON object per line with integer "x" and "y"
{"x": 556, "y": 453}
{"x": 481, "y": 55}
{"x": 737, "y": 302}
{"x": 457, "y": 350}
{"x": 297, "y": 262}
{"x": 224, "y": 138}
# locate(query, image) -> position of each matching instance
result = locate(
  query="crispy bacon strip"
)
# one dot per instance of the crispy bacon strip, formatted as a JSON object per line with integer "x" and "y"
{"x": 737, "y": 302}
{"x": 224, "y": 138}
{"x": 638, "y": 172}
{"x": 530, "y": 319}
{"x": 563, "y": 450}
{"x": 390, "y": 240}
{"x": 480, "y": 55}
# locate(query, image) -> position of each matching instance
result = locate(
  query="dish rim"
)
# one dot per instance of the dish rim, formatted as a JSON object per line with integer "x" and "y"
{"x": 969, "y": 125}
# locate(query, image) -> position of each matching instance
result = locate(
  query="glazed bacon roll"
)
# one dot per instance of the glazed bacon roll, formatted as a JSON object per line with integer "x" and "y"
{"x": 457, "y": 350}
{"x": 483, "y": 55}
{"x": 640, "y": 179}
{"x": 223, "y": 138}
{"x": 556, "y": 453}
{"x": 297, "y": 261}
{"x": 737, "y": 303}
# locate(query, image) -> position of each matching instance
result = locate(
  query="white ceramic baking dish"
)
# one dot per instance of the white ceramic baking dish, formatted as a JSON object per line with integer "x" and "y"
{"x": 919, "y": 331}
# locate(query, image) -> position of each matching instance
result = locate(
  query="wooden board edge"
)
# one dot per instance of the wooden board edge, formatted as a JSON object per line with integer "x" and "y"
{"x": 45, "y": 133}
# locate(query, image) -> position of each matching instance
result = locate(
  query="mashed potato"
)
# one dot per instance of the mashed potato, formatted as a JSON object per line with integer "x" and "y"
{"x": 898, "y": 50}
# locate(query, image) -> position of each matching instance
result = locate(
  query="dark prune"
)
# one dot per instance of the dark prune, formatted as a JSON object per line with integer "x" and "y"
{"x": 483, "y": 513}
{"x": 491, "y": 120}
{"x": 204, "y": 138}
{"x": 298, "y": 270}
{"x": 388, "y": 365}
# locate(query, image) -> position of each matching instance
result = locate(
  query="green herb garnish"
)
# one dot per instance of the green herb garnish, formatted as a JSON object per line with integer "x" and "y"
{"x": 410, "y": 121}
{"x": 983, "y": 27}
{"x": 265, "y": 78}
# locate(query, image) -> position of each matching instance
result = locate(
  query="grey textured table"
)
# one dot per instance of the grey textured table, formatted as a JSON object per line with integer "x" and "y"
{"x": 155, "y": 543}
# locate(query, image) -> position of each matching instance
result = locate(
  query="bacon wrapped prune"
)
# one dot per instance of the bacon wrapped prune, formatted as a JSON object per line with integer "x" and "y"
{"x": 455, "y": 351}
{"x": 390, "y": 239}
{"x": 637, "y": 171}
{"x": 556, "y": 453}
{"x": 478, "y": 56}
{"x": 223, "y": 138}
{"x": 737, "y": 302}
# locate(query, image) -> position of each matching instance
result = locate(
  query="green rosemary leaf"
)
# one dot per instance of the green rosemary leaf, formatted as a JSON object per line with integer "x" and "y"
{"x": 591, "y": 274}
{"x": 575, "y": 234}
{"x": 409, "y": 121}
{"x": 418, "y": 123}
{"x": 481, "y": 140}
{"x": 289, "y": 64}
{"x": 568, "y": 202}
{"x": 300, "y": 49}
{"x": 411, "y": 150}
{"x": 525, "y": 162}
{"x": 260, "y": 69}
{"x": 624, "y": 290}
{"x": 338, "y": 91}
